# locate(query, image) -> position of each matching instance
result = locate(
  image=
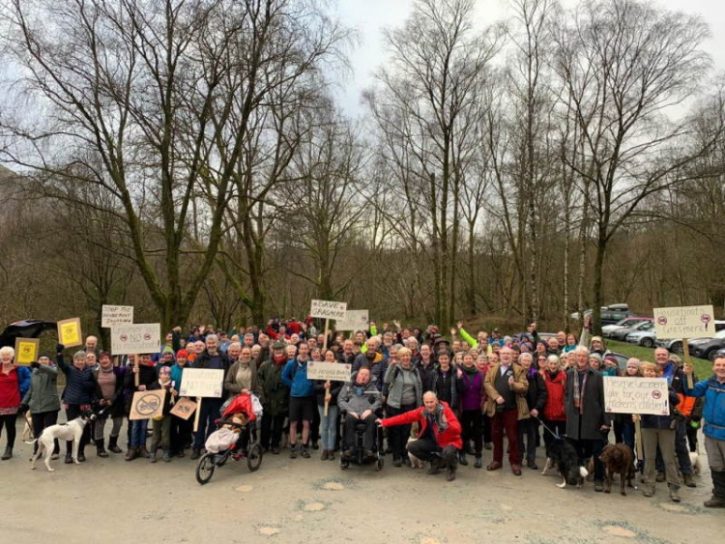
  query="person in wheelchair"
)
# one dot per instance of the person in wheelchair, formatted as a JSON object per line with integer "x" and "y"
{"x": 359, "y": 401}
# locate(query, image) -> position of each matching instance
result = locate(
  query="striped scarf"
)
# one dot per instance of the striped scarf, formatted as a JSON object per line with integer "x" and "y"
{"x": 579, "y": 391}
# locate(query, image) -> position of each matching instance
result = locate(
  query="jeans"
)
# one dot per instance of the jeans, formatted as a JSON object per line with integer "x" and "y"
{"x": 328, "y": 427}
{"x": 42, "y": 420}
{"x": 117, "y": 422}
{"x": 138, "y": 432}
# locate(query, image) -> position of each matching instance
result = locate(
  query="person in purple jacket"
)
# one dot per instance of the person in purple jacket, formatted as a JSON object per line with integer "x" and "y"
{"x": 472, "y": 395}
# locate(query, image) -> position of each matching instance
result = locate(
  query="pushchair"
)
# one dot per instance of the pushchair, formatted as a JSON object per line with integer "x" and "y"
{"x": 245, "y": 446}
{"x": 358, "y": 455}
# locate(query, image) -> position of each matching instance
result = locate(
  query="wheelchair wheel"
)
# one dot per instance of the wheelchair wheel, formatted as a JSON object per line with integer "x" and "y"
{"x": 254, "y": 457}
{"x": 205, "y": 468}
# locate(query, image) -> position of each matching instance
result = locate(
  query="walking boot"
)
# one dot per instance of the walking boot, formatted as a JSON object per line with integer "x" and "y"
{"x": 451, "y": 470}
{"x": 166, "y": 456}
{"x": 479, "y": 462}
{"x": 152, "y": 456}
{"x": 674, "y": 495}
{"x": 718, "y": 490}
{"x": 195, "y": 453}
{"x": 8, "y": 454}
{"x": 100, "y": 449}
{"x": 688, "y": 481}
{"x": 113, "y": 445}
{"x": 462, "y": 458}
{"x": 435, "y": 466}
{"x": 131, "y": 454}
{"x": 143, "y": 452}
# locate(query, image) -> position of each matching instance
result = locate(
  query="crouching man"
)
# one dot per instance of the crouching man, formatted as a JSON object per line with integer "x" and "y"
{"x": 439, "y": 437}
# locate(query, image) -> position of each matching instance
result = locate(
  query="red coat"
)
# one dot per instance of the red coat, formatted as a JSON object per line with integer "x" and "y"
{"x": 554, "y": 409}
{"x": 450, "y": 437}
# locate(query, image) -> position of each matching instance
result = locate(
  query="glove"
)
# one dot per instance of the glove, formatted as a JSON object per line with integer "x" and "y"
{"x": 59, "y": 348}
{"x": 34, "y": 364}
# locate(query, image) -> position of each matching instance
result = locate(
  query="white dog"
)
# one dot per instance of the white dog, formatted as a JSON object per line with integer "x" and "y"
{"x": 695, "y": 461}
{"x": 73, "y": 430}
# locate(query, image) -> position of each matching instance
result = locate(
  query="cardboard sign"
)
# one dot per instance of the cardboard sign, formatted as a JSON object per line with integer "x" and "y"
{"x": 116, "y": 315}
{"x": 334, "y": 372}
{"x": 136, "y": 339}
{"x": 147, "y": 404}
{"x": 184, "y": 408}
{"x": 202, "y": 382}
{"x": 26, "y": 350}
{"x": 636, "y": 396}
{"x": 69, "y": 332}
{"x": 355, "y": 320}
{"x": 684, "y": 322}
{"x": 328, "y": 309}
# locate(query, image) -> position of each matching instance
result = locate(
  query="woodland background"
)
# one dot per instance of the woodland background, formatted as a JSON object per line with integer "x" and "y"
{"x": 188, "y": 158}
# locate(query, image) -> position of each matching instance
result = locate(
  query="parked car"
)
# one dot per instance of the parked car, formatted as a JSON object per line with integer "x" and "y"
{"x": 705, "y": 348}
{"x": 620, "y": 329}
{"x": 675, "y": 345}
{"x": 610, "y": 314}
{"x": 642, "y": 338}
{"x": 719, "y": 353}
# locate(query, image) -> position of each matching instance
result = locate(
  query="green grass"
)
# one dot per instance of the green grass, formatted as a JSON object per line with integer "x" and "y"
{"x": 703, "y": 367}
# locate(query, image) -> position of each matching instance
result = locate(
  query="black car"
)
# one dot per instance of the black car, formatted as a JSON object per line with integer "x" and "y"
{"x": 705, "y": 348}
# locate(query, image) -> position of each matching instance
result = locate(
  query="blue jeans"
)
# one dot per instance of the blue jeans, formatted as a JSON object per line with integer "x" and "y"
{"x": 138, "y": 433}
{"x": 328, "y": 427}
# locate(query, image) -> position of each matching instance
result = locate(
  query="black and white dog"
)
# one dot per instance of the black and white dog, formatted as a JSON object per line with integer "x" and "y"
{"x": 71, "y": 431}
{"x": 563, "y": 455}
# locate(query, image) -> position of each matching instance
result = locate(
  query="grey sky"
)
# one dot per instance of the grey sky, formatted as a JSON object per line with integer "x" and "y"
{"x": 370, "y": 17}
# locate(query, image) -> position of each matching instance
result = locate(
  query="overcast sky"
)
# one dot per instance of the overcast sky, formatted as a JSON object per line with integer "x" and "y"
{"x": 370, "y": 17}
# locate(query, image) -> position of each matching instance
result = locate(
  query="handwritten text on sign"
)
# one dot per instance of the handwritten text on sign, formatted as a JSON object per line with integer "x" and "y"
{"x": 328, "y": 309}
{"x": 334, "y": 372}
{"x": 136, "y": 339}
{"x": 684, "y": 322}
{"x": 116, "y": 315}
{"x": 636, "y": 396}
{"x": 202, "y": 382}
{"x": 355, "y": 320}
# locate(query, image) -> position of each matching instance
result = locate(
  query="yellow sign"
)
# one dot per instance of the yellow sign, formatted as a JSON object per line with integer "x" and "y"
{"x": 26, "y": 350}
{"x": 69, "y": 332}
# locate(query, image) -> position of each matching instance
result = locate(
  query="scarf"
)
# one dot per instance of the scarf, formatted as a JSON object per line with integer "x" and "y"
{"x": 579, "y": 392}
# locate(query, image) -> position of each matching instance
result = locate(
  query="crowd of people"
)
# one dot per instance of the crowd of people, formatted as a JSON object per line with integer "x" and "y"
{"x": 462, "y": 394}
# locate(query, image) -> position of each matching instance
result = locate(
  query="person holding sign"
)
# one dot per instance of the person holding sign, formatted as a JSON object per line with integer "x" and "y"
{"x": 142, "y": 375}
{"x": 14, "y": 383}
{"x": 657, "y": 433}
{"x": 161, "y": 437}
{"x": 326, "y": 393}
{"x": 109, "y": 392}
{"x": 713, "y": 391}
{"x": 80, "y": 392}
{"x": 42, "y": 399}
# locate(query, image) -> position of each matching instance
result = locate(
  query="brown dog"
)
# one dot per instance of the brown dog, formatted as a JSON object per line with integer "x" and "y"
{"x": 618, "y": 458}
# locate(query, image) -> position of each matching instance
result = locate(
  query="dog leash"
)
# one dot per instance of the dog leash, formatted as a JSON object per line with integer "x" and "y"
{"x": 552, "y": 433}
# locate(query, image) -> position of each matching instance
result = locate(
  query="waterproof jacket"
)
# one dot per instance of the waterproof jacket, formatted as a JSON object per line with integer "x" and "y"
{"x": 450, "y": 436}
{"x": 42, "y": 396}
{"x": 275, "y": 392}
{"x": 554, "y": 409}
{"x": 713, "y": 410}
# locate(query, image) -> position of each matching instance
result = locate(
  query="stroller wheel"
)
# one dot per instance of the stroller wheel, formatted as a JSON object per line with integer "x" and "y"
{"x": 380, "y": 464}
{"x": 205, "y": 468}
{"x": 254, "y": 457}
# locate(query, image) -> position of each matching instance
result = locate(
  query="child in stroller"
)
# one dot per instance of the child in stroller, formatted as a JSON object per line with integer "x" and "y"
{"x": 236, "y": 437}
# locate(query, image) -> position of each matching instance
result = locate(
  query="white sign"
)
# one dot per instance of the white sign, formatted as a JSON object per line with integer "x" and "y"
{"x": 328, "y": 309}
{"x": 355, "y": 320}
{"x": 202, "y": 382}
{"x": 684, "y": 322}
{"x": 116, "y": 315}
{"x": 636, "y": 396}
{"x": 334, "y": 372}
{"x": 136, "y": 339}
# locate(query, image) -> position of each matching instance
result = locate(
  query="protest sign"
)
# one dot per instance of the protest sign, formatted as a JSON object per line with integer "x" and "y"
{"x": 69, "y": 332}
{"x": 354, "y": 320}
{"x": 116, "y": 315}
{"x": 636, "y": 396}
{"x": 334, "y": 372}
{"x": 328, "y": 309}
{"x": 147, "y": 404}
{"x": 684, "y": 322}
{"x": 134, "y": 339}
{"x": 26, "y": 350}
{"x": 184, "y": 408}
{"x": 202, "y": 382}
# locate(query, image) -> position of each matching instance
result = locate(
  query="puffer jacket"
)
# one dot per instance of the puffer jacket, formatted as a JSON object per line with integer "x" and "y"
{"x": 713, "y": 410}
{"x": 554, "y": 409}
{"x": 80, "y": 385}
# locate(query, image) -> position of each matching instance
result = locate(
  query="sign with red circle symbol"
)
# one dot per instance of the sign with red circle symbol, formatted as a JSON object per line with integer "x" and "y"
{"x": 657, "y": 395}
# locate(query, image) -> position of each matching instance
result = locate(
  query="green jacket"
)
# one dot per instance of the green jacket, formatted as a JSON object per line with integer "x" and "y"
{"x": 43, "y": 393}
{"x": 274, "y": 392}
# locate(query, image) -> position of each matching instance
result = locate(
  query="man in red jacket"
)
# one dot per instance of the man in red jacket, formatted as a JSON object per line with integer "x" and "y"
{"x": 439, "y": 437}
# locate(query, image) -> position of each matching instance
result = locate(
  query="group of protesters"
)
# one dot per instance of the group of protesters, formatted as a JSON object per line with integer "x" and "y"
{"x": 465, "y": 392}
